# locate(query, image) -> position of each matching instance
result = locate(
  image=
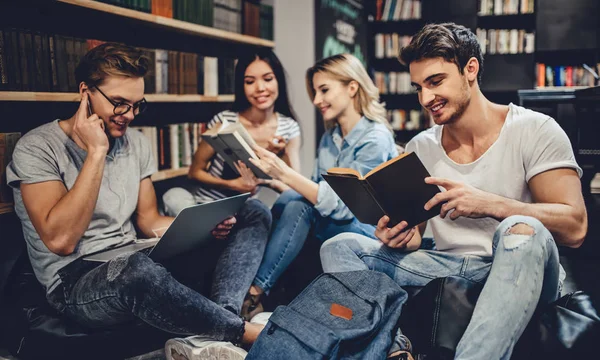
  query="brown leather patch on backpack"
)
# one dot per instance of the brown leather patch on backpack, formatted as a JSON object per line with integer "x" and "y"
{"x": 341, "y": 311}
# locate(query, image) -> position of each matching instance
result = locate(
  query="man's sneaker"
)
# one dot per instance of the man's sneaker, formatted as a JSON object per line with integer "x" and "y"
{"x": 261, "y": 318}
{"x": 202, "y": 348}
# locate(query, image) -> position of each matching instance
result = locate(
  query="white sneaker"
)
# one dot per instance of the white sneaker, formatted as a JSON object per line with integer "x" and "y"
{"x": 261, "y": 318}
{"x": 202, "y": 348}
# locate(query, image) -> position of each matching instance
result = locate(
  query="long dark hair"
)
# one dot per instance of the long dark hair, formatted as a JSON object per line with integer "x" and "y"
{"x": 241, "y": 103}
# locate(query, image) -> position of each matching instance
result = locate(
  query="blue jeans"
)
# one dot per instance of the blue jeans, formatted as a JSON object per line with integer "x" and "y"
{"x": 293, "y": 218}
{"x": 523, "y": 271}
{"x": 134, "y": 287}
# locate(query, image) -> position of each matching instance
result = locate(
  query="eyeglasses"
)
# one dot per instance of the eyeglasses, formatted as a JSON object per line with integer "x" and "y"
{"x": 123, "y": 108}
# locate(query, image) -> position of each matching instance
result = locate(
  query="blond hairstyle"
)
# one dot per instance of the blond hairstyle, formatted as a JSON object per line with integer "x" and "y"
{"x": 111, "y": 59}
{"x": 347, "y": 68}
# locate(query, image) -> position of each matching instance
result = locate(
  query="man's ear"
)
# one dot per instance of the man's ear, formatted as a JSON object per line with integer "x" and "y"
{"x": 471, "y": 70}
{"x": 353, "y": 88}
{"x": 83, "y": 87}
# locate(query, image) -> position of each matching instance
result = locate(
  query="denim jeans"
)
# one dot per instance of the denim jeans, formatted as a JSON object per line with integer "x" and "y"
{"x": 294, "y": 218}
{"x": 134, "y": 287}
{"x": 523, "y": 271}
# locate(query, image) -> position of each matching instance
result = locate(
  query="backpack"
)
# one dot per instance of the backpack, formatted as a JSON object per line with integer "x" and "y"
{"x": 345, "y": 315}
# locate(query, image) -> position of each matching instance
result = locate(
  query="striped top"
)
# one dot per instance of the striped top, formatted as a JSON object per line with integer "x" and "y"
{"x": 287, "y": 128}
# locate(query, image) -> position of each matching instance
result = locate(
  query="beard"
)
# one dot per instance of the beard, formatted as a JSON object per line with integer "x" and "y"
{"x": 461, "y": 104}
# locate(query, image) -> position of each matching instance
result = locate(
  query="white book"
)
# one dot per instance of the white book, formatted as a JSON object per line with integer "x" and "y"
{"x": 529, "y": 43}
{"x": 498, "y": 7}
{"x": 233, "y": 142}
{"x": 187, "y": 145}
{"x": 393, "y": 83}
{"x": 379, "y": 46}
{"x": 398, "y": 9}
{"x": 162, "y": 71}
{"x": 514, "y": 41}
{"x": 174, "y": 144}
{"x": 211, "y": 76}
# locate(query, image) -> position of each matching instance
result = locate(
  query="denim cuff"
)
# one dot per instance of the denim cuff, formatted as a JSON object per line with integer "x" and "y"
{"x": 237, "y": 341}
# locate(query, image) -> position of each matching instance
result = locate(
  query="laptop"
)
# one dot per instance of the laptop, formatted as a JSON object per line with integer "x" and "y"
{"x": 191, "y": 228}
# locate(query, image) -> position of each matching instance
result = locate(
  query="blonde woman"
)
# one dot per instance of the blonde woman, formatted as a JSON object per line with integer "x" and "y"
{"x": 358, "y": 137}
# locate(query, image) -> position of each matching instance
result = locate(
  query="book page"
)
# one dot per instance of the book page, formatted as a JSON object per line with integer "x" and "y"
{"x": 387, "y": 163}
{"x": 344, "y": 171}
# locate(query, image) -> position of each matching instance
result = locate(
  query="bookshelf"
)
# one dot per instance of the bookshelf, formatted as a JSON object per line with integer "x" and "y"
{"x": 6, "y": 208}
{"x": 566, "y": 34}
{"x": 134, "y": 17}
{"x": 169, "y": 174}
{"x": 390, "y": 26}
{"x": 74, "y": 97}
{"x": 86, "y": 19}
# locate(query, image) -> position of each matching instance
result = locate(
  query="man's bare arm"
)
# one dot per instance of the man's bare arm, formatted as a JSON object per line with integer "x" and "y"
{"x": 59, "y": 216}
{"x": 148, "y": 219}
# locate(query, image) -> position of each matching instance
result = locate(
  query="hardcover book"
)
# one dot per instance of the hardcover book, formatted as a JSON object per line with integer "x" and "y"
{"x": 395, "y": 188}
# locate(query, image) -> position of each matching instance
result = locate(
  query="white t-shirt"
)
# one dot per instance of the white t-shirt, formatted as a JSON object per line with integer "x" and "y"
{"x": 529, "y": 143}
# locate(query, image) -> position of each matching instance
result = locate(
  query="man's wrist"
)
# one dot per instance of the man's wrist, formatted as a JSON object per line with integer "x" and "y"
{"x": 501, "y": 207}
{"x": 97, "y": 154}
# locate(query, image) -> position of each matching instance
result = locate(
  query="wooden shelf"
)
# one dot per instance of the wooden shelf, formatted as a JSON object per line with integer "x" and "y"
{"x": 168, "y": 23}
{"x": 74, "y": 97}
{"x": 6, "y": 208}
{"x": 169, "y": 174}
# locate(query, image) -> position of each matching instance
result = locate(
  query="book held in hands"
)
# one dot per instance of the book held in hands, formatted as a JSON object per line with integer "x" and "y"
{"x": 233, "y": 142}
{"x": 395, "y": 188}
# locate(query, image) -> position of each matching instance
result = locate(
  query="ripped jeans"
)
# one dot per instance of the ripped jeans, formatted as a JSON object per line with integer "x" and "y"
{"x": 523, "y": 271}
{"x": 133, "y": 287}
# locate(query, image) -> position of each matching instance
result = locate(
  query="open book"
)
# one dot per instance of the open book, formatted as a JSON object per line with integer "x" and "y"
{"x": 395, "y": 188}
{"x": 233, "y": 142}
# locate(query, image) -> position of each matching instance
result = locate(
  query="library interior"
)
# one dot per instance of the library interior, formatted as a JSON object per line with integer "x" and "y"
{"x": 190, "y": 104}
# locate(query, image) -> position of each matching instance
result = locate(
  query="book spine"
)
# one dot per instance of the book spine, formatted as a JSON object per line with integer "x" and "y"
{"x": 372, "y": 193}
{"x": 3, "y": 63}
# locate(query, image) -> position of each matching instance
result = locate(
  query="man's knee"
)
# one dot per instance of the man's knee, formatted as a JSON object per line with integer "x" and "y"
{"x": 521, "y": 229}
{"x": 135, "y": 271}
{"x": 518, "y": 230}
{"x": 344, "y": 246}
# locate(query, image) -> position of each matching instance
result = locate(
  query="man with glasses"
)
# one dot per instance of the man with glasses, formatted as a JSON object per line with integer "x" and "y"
{"x": 83, "y": 185}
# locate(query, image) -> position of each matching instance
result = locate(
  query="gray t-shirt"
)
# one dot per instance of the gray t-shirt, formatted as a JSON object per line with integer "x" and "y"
{"x": 46, "y": 153}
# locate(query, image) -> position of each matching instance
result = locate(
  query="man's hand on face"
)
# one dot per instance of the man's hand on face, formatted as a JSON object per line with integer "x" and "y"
{"x": 222, "y": 230}
{"x": 88, "y": 131}
{"x": 461, "y": 200}
{"x": 396, "y": 237}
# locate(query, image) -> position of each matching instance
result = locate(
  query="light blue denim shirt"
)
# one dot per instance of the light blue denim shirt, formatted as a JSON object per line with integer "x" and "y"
{"x": 367, "y": 145}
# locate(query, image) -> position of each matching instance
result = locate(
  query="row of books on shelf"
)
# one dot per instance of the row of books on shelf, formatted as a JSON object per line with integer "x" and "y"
{"x": 394, "y": 10}
{"x": 393, "y": 82}
{"x": 36, "y": 61}
{"x": 257, "y": 17}
{"x": 389, "y": 45}
{"x": 173, "y": 145}
{"x": 584, "y": 75}
{"x": 7, "y": 145}
{"x": 506, "y": 41}
{"x": 506, "y": 7}
{"x": 228, "y": 15}
{"x": 402, "y": 119}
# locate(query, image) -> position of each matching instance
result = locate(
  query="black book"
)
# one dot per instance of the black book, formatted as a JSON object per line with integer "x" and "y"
{"x": 395, "y": 188}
